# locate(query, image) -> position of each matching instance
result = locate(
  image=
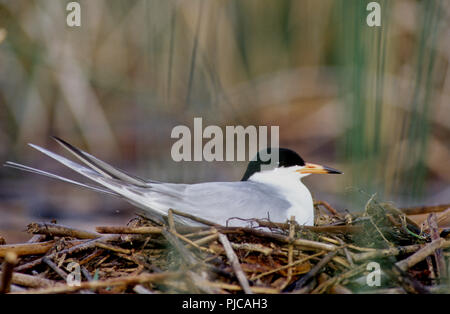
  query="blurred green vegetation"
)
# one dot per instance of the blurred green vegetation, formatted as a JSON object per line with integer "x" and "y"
{"x": 372, "y": 101}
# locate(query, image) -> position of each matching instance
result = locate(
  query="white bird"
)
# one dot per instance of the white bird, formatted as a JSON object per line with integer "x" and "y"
{"x": 275, "y": 194}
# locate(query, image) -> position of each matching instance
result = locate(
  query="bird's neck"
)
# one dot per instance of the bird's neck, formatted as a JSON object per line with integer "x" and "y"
{"x": 287, "y": 182}
{"x": 282, "y": 178}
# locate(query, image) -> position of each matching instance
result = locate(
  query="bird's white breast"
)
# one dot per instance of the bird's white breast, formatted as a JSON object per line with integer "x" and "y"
{"x": 288, "y": 184}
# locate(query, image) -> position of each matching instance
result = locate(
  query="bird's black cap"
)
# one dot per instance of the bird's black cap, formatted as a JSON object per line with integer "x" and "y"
{"x": 286, "y": 158}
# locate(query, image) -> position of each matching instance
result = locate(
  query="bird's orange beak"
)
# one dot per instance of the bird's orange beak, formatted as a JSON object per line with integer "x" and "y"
{"x": 313, "y": 168}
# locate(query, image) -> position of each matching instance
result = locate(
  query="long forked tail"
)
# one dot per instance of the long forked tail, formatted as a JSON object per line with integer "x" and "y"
{"x": 101, "y": 166}
{"x": 15, "y": 165}
{"x": 113, "y": 180}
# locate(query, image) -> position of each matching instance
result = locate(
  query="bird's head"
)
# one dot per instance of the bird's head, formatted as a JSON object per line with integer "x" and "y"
{"x": 289, "y": 164}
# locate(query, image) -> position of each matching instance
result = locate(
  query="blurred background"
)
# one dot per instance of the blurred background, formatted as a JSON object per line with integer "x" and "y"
{"x": 373, "y": 102}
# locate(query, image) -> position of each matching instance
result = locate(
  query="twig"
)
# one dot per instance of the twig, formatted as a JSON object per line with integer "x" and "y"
{"x": 252, "y": 247}
{"x": 128, "y": 230}
{"x": 281, "y": 238}
{"x": 194, "y": 218}
{"x": 76, "y": 248}
{"x": 140, "y": 289}
{"x": 55, "y": 267}
{"x": 26, "y": 248}
{"x": 300, "y": 261}
{"x": 398, "y": 290}
{"x": 332, "y": 211}
{"x": 347, "y": 253}
{"x": 438, "y": 254}
{"x": 207, "y": 239}
{"x": 173, "y": 230}
{"x": 381, "y": 233}
{"x": 408, "y": 283}
{"x": 7, "y": 271}
{"x": 322, "y": 287}
{"x": 313, "y": 272}
{"x": 234, "y": 261}
{"x": 200, "y": 233}
{"x": 325, "y": 228}
{"x": 290, "y": 252}
{"x": 113, "y": 248}
{"x": 232, "y": 287}
{"x": 97, "y": 284}
{"x": 186, "y": 255}
{"x": 30, "y": 281}
{"x": 60, "y": 231}
{"x": 424, "y": 209}
{"x": 37, "y": 238}
{"x": 393, "y": 251}
{"x": 421, "y": 254}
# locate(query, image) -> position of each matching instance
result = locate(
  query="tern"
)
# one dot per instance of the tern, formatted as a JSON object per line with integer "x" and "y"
{"x": 275, "y": 194}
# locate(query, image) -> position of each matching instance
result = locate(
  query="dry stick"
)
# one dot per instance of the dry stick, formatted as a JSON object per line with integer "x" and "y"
{"x": 290, "y": 252}
{"x": 97, "y": 284}
{"x": 302, "y": 281}
{"x": 113, "y": 248}
{"x": 300, "y": 261}
{"x": 328, "y": 207}
{"x": 55, "y": 267}
{"x": 326, "y": 228}
{"x": 194, "y": 218}
{"x": 140, "y": 289}
{"x": 175, "y": 233}
{"x": 129, "y": 230}
{"x": 439, "y": 257}
{"x": 16, "y": 288}
{"x": 26, "y": 248}
{"x": 86, "y": 273}
{"x": 30, "y": 281}
{"x": 207, "y": 239}
{"x": 234, "y": 261}
{"x": 7, "y": 271}
{"x": 336, "y": 288}
{"x": 431, "y": 269}
{"x": 76, "y": 248}
{"x": 186, "y": 255}
{"x": 393, "y": 251}
{"x": 322, "y": 287}
{"x": 192, "y": 243}
{"x": 421, "y": 254}
{"x": 251, "y": 247}
{"x": 170, "y": 220}
{"x": 200, "y": 233}
{"x": 379, "y": 231}
{"x": 231, "y": 287}
{"x": 398, "y": 290}
{"x": 281, "y": 238}
{"x": 37, "y": 238}
{"x": 350, "y": 246}
{"x": 60, "y": 231}
{"x": 407, "y": 282}
{"x": 346, "y": 251}
{"x": 424, "y": 209}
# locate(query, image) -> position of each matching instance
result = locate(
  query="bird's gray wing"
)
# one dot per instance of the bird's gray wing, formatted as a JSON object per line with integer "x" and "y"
{"x": 219, "y": 201}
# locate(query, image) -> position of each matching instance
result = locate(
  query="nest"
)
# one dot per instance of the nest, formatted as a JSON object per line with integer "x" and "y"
{"x": 378, "y": 251}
